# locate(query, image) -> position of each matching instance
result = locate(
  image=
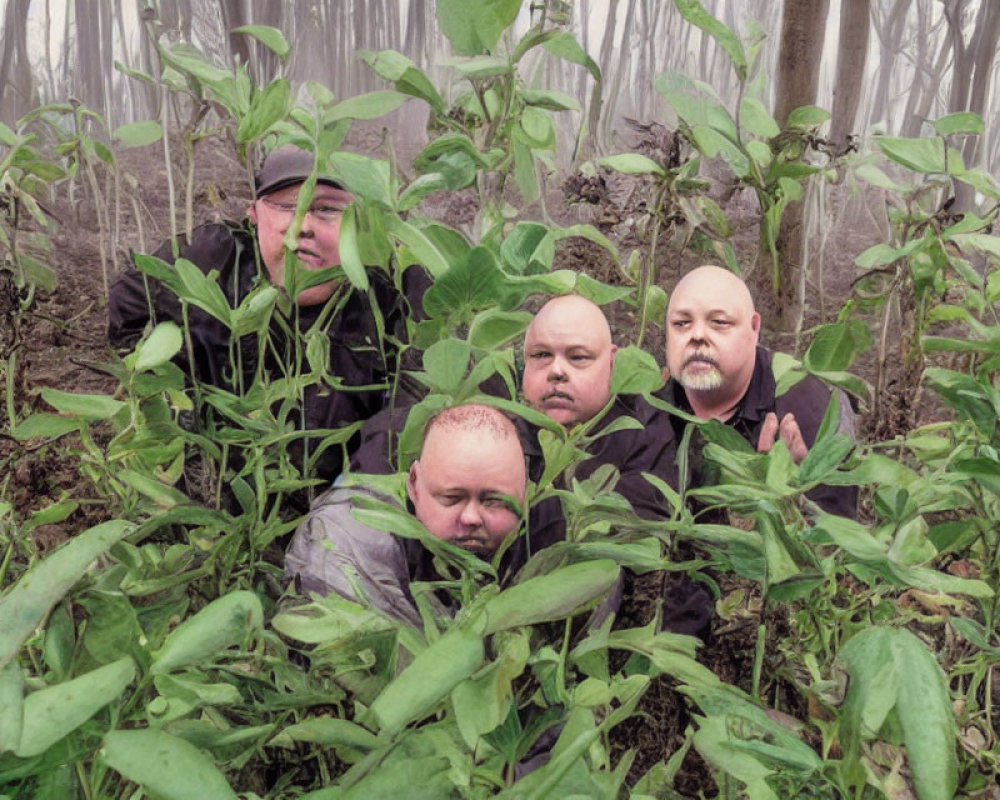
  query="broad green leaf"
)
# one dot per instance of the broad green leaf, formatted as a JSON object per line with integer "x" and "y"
{"x": 328, "y": 732}
{"x": 408, "y": 79}
{"x": 852, "y": 537}
{"x": 876, "y": 177}
{"x": 57, "y": 512}
{"x": 756, "y": 119}
{"x": 920, "y": 697}
{"x": 44, "y": 426}
{"x": 89, "y": 407}
{"x": 835, "y": 346}
{"x": 959, "y": 122}
{"x": 52, "y": 713}
{"x": 807, "y": 117}
{"x": 713, "y": 143}
{"x": 11, "y": 706}
{"x": 474, "y": 26}
{"x": 350, "y": 253}
{"x": 164, "y": 496}
{"x": 552, "y": 100}
{"x": 446, "y": 363}
{"x": 163, "y": 344}
{"x": 366, "y": 106}
{"x": 632, "y": 164}
{"x": 139, "y": 134}
{"x": 423, "y": 249}
{"x": 553, "y": 596}
{"x": 366, "y": 177}
{"x": 201, "y": 290}
{"x": 272, "y": 38}
{"x": 635, "y": 372}
{"x": 266, "y": 108}
{"x": 482, "y": 67}
{"x": 165, "y": 765}
{"x": 920, "y": 155}
{"x": 473, "y": 283}
{"x": 7, "y": 136}
{"x": 824, "y": 457}
{"x": 428, "y": 679}
{"x": 564, "y": 46}
{"x": 494, "y": 329}
{"x": 695, "y": 13}
{"x": 26, "y": 604}
{"x": 230, "y": 620}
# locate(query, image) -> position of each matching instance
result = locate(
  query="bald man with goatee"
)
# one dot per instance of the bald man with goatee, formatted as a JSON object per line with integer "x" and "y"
{"x": 718, "y": 370}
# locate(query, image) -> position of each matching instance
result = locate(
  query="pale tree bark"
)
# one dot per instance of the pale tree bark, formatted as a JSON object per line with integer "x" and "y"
{"x": 15, "y": 69}
{"x": 890, "y": 34}
{"x": 971, "y": 76}
{"x": 852, "y": 55}
{"x": 803, "y": 27}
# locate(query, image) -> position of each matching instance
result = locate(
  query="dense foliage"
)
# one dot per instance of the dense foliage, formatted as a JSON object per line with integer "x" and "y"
{"x": 154, "y": 655}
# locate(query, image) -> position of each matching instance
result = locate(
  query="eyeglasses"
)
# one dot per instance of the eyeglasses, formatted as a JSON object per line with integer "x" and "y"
{"x": 324, "y": 211}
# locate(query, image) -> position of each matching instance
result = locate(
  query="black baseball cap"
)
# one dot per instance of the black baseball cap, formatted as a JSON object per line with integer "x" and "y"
{"x": 287, "y": 166}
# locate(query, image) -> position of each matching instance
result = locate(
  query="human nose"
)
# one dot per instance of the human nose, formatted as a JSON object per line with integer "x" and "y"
{"x": 309, "y": 222}
{"x": 471, "y": 515}
{"x": 698, "y": 331}
{"x": 557, "y": 369}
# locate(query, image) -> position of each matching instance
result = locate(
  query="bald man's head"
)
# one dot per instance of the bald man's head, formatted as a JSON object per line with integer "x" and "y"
{"x": 470, "y": 464}
{"x": 568, "y": 357}
{"x": 712, "y": 334}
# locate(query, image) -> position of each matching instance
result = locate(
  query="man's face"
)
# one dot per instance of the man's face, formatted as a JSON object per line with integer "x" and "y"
{"x": 568, "y": 357}
{"x": 712, "y": 333}
{"x": 459, "y": 484}
{"x": 318, "y": 243}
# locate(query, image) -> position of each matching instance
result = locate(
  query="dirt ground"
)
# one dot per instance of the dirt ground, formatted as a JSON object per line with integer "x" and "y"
{"x": 61, "y": 343}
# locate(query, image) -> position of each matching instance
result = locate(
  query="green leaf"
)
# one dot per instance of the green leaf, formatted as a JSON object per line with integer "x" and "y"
{"x": 632, "y": 164}
{"x": 164, "y": 496}
{"x": 556, "y": 595}
{"x": 404, "y": 74}
{"x": 163, "y": 344}
{"x": 366, "y": 177}
{"x": 807, "y": 117}
{"x": 11, "y": 706}
{"x": 272, "y": 38}
{"x": 695, "y": 13}
{"x": 835, "y": 346}
{"x": 366, "y": 106}
{"x": 890, "y": 667}
{"x": 35, "y": 593}
{"x": 7, "y": 136}
{"x": 429, "y": 678}
{"x": 52, "y": 713}
{"x": 44, "y": 426}
{"x": 446, "y": 363}
{"x": 920, "y": 155}
{"x": 89, "y": 407}
{"x": 423, "y": 249}
{"x": 350, "y": 253}
{"x": 493, "y": 329}
{"x": 474, "y": 26}
{"x": 139, "y": 134}
{"x": 328, "y": 732}
{"x": 552, "y": 100}
{"x": 230, "y": 620}
{"x": 165, "y": 765}
{"x": 756, "y": 119}
{"x": 473, "y": 283}
{"x": 266, "y": 108}
{"x": 959, "y": 122}
{"x": 635, "y": 372}
{"x": 566, "y": 47}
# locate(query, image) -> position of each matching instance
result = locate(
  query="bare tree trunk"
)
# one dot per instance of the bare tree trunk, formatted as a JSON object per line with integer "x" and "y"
{"x": 852, "y": 56}
{"x": 803, "y": 28}
{"x": 234, "y": 15}
{"x": 890, "y": 34}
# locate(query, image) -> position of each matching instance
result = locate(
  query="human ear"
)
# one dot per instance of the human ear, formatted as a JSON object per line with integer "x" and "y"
{"x": 755, "y": 326}
{"x": 411, "y": 481}
{"x": 252, "y": 212}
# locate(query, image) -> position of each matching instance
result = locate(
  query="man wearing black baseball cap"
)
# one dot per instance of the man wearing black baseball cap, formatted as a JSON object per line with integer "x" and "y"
{"x": 253, "y": 253}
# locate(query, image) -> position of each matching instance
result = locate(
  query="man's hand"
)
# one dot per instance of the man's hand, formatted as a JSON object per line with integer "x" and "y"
{"x": 789, "y": 432}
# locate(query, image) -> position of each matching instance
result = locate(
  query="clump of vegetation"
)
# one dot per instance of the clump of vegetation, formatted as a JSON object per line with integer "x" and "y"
{"x": 154, "y": 653}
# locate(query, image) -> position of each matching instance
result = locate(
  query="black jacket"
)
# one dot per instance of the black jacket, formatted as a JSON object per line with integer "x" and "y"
{"x": 807, "y": 400}
{"x": 358, "y": 355}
